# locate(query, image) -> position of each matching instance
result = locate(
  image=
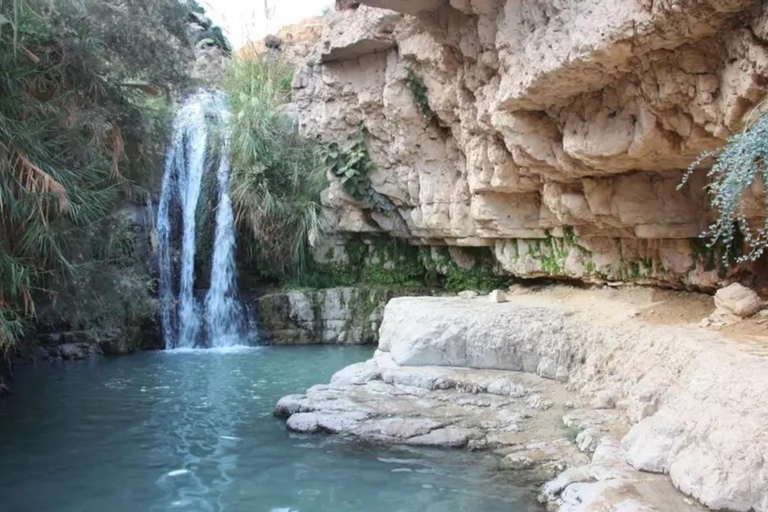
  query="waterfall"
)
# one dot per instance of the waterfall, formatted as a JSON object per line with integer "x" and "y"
{"x": 187, "y": 160}
{"x": 223, "y": 312}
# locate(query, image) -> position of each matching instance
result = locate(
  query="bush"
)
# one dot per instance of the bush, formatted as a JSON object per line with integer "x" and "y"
{"x": 276, "y": 175}
{"x": 743, "y": 161}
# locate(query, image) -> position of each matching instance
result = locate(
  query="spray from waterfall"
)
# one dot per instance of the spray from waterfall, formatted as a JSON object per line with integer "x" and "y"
{"x": 200, "y": 120}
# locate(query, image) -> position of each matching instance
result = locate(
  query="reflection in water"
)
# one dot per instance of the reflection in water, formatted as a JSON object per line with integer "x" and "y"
{"x": 193, "y": 431}
{"x": 203, "y": 425}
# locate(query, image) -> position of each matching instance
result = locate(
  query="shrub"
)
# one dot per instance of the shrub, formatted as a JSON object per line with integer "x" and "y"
{"x": 737, "y": 166}
{"x": 351, "y": 167}
{"x": 276, "y": 175}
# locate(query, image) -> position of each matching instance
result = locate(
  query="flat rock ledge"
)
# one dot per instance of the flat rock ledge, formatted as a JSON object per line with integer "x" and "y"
{"x": 616, "y": 413}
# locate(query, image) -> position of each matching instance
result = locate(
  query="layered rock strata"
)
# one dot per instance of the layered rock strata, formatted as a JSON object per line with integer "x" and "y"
{"x": 554, "y": 133}
{"x": 336, "y": 316}
{"x": 648, "y": 400}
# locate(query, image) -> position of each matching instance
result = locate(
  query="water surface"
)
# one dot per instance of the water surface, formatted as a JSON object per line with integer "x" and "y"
{"x": 194, "y": 431}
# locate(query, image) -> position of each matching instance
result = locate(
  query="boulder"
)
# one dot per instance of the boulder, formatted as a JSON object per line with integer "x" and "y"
{"x": 738, "y": 300}
{"x": 678, "y": 384}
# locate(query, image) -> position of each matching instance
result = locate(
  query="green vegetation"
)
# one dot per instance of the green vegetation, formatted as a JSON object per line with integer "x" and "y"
{"x": 79, "y": 133}
{"x": 419, "y": 91}
{"x": 742, "y": 164}
{"x": 211, "y": 34}
{"x": 571, "y": 433}
{"x": 276, "y": 175}
{"x": 390, "y": 262}
{"x": 482, "y": 277}
{"x": 351, "y": 167}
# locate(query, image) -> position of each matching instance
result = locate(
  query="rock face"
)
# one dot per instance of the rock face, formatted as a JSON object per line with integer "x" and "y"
{"x": 555, "y": 134}
{"x": 692, "y": 401}
{"x": 338, "y": 316}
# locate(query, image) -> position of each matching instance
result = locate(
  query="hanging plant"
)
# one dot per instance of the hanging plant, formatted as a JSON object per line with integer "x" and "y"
{"x": 740, "y": 164}
{"x": 419, "y": 91}
{"x": 352, "y": 167}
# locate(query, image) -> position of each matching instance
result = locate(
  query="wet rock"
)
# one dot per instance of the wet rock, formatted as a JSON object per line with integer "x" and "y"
{"x": 288, "y": 406}
{"x": 338, "y": 316}
{"x": 516, "y": 462}
{"x": 442, "y": 407}
{"x": 448, "y": 437}
{"x": 74, "y": 351}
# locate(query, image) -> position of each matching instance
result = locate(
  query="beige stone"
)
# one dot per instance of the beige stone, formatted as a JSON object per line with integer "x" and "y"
{"x": 497, "y": 296}
{"x": 738, "y": 300}
{"x": 450, "y": 373}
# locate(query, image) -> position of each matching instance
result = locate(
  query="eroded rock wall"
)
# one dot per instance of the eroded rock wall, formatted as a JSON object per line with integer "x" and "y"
{"x": 336, "y": 316}
{"x": 560, "y": 130}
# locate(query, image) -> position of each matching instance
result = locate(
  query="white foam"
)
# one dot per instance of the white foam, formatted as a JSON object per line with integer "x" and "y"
{"x": 236, "y": 349}
{"x": 178, "y": 472}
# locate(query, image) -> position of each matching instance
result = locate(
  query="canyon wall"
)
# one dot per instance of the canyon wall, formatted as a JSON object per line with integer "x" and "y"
{"x": 553, "y": 133}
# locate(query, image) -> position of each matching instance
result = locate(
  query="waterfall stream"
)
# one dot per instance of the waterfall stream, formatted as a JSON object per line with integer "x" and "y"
{"x": 200, "y": 120}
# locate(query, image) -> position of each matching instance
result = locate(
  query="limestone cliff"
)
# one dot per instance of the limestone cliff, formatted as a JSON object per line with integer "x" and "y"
{"x": 554, "y": 133}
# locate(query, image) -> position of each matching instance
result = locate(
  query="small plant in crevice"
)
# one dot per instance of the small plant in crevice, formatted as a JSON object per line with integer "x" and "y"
{"x": 742, "y": 163}
{"x": 419, "y": 91}
{"x": 352, "y": 167}
{"x": 572, "y": 433}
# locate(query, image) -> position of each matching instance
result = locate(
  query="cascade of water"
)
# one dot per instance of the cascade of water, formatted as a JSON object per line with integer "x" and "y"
{"x": 186, "y": 163}
{"x": 224, "y": 315}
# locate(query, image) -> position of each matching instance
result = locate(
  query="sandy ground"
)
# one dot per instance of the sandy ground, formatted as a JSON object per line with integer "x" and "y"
{"x": 655, "y": 306}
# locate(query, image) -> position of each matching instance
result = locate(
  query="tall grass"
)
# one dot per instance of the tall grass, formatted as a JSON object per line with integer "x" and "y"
{"x": 277, "y": 176}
